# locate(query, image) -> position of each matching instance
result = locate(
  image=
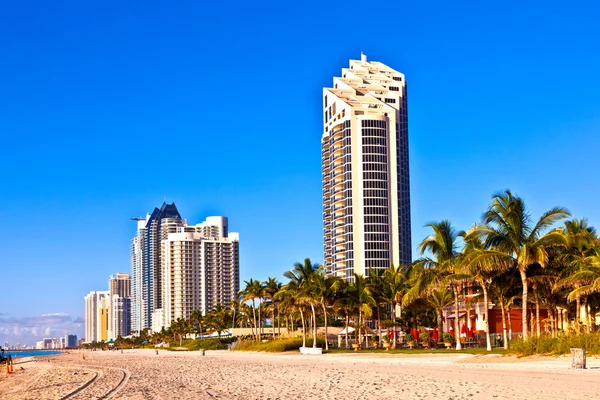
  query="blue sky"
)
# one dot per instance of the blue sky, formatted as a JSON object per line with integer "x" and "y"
{"x": 107, "y": 109}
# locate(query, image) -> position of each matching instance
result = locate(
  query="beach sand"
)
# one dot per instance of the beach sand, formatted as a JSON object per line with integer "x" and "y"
{"x": 141, "y": 374}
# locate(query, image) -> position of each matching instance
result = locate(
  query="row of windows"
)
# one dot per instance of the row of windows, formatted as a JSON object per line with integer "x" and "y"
{"x": 377, "y": 246}
{"x": 376, "y": 219}
{"x": 376, "y": 228}
{"x": 371, "y": 158}
{"x": 381, "y": 176}
{"x": 373, "y": 124}
{"x": 394, "y": 88}
{"x": 377, "y": 264}
{"x": 375, "y": 167}
{"x": 377, "y": 237}
{"x": 376, "y": 211}
{"x": 374, "y": 132}
{"x": 375, "y": 193}
{"x": 375, "y": 184}
{"x": 376, "y": 202}
{"x": 379, "y": 141}
{"x": 390, "y": 100}
{"x": 374, "y": 150}
{"x": 377, "y": 254}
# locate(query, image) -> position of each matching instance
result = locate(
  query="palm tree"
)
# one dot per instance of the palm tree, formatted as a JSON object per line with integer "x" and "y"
{"x": 302, "y": 278}
{"x": 323, "y": 285}
{"x": 253, "y": 291}
{"x": 581, "y": 239}
{"x": 439, "y": 298}
{"x": 442, "y": 269}
{"x": 341, "y": 303}
{"x": 481, "y": 268}
{"x": 507, "y": 231}
{"x": 196, "y": 320}
{"x": 395, "y": 287}
{"x": 218, "y": 319}
{"x": 272, "y": 286}
{"x": 361, "y": 299}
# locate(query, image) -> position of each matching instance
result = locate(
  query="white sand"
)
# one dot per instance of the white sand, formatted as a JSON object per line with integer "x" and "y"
{"x": 141, "y": 374}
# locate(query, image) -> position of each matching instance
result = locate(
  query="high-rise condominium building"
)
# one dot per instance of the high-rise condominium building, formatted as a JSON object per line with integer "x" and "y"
{"x": 180, "y": 267}
{"x": 119, "y": 321}
{"x": 366, "y": 186}
{"x": 96, "y": 316}
{"x": 145, "y": 263}
{"x": 200, "y": 269}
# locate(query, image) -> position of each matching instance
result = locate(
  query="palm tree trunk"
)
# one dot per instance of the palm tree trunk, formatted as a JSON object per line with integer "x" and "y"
{"x": 314, "y": 316}
{"x": 488, "y": 341}
{"x": 588, "y": 319}
{"x": 379, "y": 326}
{"x": 254, "y": 320}
{"x": 505, "y": 334}
{"x": 273, "y": 322}
{"x": 577, "y": 312}
{"x": 456, "y": 321}
{"x": 393, "y": 325}
{"x": 508, "y": 311}
{"x": 538, "y": 327}
{"x": 347, "y": 323}
{"x": 524, "y": 305}
{"x": 326, "y": 333}
{"x": 440, "y": 326}
{"x": 303, "y": 329}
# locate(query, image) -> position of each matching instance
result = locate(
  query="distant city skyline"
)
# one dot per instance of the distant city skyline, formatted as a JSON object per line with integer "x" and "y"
{"x": 109, "y": 109}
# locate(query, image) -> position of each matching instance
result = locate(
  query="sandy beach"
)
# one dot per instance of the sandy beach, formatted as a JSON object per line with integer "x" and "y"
{"x": 141, "y": 374}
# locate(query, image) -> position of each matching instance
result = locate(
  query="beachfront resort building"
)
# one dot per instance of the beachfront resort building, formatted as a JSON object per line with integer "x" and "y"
{"x": 198, "y": 264}
{"x": 366, "y": 183}
{"x": 96, "y": 316}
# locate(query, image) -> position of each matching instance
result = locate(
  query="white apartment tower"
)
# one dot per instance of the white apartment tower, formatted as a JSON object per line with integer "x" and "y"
{"x": 366, "y": 186}
{"x": 200, "y": 269}
{"x": 96, "y": 305}
{"x": 177, "y": 268}
{"x": 119, "y": 319}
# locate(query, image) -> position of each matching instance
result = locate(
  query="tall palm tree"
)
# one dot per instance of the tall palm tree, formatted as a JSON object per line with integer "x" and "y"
{"x": 272, "y": 286}
{"x": 581, "y": 240}
{"x": 507, "y": 231}
{"x": 196, "y": 320}
{"x": 323, "y": 287}
{"x": 253, "y": 291}
{"x": 302, "y": 278}
{"x": 482, "y": 269}
{"x": 361, "y": 299}
{"x": 441, "y": 269}
{"x": 395, "y": 287}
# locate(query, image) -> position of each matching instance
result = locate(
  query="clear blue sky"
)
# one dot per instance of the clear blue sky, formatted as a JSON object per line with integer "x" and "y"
{"x": 106, "y": 109}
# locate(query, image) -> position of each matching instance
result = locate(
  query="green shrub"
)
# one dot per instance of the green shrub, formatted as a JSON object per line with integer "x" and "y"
{"x": 447, "y": 337}
{"x": 206, "y": 343}
{"x": 276, "y": 346}
{"x": 556, "y": 346}
{"x": 409, "y": 337}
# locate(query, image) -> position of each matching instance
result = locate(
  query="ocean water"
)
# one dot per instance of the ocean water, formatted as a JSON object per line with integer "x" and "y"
{"x": 31, "y": 353}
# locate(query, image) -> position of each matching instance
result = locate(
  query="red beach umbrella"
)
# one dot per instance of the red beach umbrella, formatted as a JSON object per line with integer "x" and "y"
{"x": 463, "y": 329}
{"x": 470, "y": 333}
{"x": 435, "y": 335}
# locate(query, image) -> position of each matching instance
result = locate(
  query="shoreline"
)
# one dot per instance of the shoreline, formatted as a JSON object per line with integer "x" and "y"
{"x": 140, "y": 373}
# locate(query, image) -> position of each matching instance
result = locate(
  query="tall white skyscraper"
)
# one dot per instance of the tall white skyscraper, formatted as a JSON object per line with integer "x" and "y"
{"x": 119, "y": 318}
{"x": 146, "y": 271}
{"x": 366, "y": 184}
{"x": 96, "y": 316}
{"x": 180, "y": 267}
{"x": 200, "y": 269}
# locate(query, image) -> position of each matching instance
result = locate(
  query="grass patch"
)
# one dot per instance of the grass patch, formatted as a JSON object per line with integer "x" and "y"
{"x": 276, "y": 346}
{"x": 197, "y": 344}
{"x": 547, "y": 345}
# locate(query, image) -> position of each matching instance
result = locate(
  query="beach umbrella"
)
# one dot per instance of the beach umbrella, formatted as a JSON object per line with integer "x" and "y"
{"x": 470, "y": 333}
{"x": 463, "y": 329}
{"x": 435, "y": 335}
